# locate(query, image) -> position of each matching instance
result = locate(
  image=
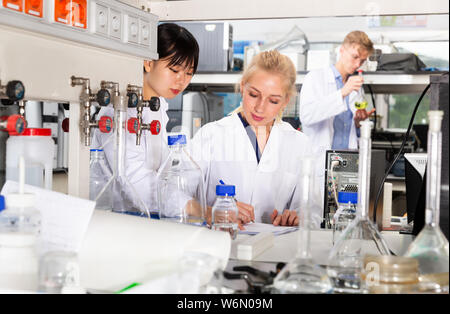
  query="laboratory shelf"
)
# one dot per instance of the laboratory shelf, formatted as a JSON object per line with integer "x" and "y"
{"x": 385, "y": 82}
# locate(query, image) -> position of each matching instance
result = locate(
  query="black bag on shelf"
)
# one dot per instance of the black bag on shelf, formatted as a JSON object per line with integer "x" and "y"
{"x": 406, "y": 62}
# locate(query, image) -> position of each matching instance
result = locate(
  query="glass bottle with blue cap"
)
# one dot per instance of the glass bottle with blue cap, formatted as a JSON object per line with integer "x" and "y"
{"x": 345, "y": 214}
{"x": 225, "y": 211}
{"x": 99, "y": 176}
{"x": 20, "y": 225}
{"x": 181, "y": 193}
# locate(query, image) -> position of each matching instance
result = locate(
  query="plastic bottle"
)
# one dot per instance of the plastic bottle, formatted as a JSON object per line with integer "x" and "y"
{"x": 19, "y": 229}
{"x": 38, "y": 149}
{"x": 345, "y": 214}
{"x": 225, "y": 211}
{"x": 181, "y": 196}
{"x": 98, "y": 179}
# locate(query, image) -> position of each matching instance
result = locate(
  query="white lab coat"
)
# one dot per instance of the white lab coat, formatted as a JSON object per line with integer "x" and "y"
{"x": 141, "y": 162}
{"x": 224, "y": 152}
{"x": 320, "y": 103}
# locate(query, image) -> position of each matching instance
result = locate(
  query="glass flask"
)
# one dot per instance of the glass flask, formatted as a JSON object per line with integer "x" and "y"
{"x": 430, "y": 246}
{"x": 98, "y": 178}
{"x": 181, "y": 195}
{"x": 391, "y": 274}
{"x": 225, "y": 211}
{"x": 361, "y": 237}
{"x": 345, "y": 214}
{"x": 124, "y": 198}
{"x": 302, "y": 274}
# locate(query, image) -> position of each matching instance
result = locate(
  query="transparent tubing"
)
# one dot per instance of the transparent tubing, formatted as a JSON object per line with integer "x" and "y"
{"x": 119, "y": 183}
{"x": 430, "y": 246}
{"x": 302, "y": 275}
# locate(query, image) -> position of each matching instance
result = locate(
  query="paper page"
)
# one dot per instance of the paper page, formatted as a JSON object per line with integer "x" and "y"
{"x": 65, "y": 218}
{"x": 257, "y": 227}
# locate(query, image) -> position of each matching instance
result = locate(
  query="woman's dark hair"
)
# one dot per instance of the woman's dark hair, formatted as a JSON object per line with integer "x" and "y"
{"x": 178, "y": 45}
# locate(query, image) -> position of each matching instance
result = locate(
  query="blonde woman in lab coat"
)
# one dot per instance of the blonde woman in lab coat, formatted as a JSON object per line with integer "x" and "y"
{"x": 253, "y": 148}
{"x": 165, "y": 78}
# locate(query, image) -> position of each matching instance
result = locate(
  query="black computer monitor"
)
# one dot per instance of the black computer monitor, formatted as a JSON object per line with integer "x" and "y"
{"x": 415, "y": 192}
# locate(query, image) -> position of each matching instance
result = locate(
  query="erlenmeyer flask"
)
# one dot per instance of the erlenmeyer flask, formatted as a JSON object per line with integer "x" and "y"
{"x": 303, "y": 275}
{"x": 361, "y": 237}
{"x": 430, "y": 246}
{"x": 124, "y": 198}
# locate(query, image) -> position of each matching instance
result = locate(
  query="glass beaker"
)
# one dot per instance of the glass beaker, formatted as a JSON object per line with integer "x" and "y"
{"x": 124, "y": 198}
{"x": 430, "y": 246}
{"x": 390, "y": 274}
{"x": 361, "y": 237}
{"x": 57, "y": 270}
{"x": 303, "y": 275}
{"x": 181, "y": 195}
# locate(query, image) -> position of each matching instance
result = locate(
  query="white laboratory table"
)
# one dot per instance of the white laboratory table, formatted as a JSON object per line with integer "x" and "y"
{"x": 285, "y": 245}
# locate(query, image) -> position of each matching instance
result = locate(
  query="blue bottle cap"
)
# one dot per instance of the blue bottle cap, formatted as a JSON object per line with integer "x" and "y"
{"x": 348, "y": 197}
{"x": 176, "y": 139}
{"x": 96, "y": 150}
{"x": 225, "y": 190}
{"x": 2, "y": 203}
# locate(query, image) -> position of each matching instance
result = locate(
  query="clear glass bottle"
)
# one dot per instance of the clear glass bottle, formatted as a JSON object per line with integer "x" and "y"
{"x": 225, "y": 211}
{"x": 98, "y": 178}
{"x": 303, "y": 275}
{"x": 20, "y": 225}
{"x": 345, "y": 214}
{"x": 361, "y": 237}
{"x": 181, "y": 196}
{"x": 430, "y": 246}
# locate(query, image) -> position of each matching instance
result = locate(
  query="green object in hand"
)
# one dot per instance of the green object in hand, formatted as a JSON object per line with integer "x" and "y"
{"x": 361, "y": 105}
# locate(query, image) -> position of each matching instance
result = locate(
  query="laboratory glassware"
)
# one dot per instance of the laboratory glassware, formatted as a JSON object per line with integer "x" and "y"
{"x": 391, "y": 274}
{"x": 124, "y": 197}
{"x": 345, "y": 214}
{"x": 20, "y": 225}
{"x": 98, "y": 178}
{"x": 430, "y": 246}
{"x": 58, "y": 271}
{"x": 181, "y": 195}
{"x": 302, "y": 274}
{"x": 225, "y": 211}
{"x": 361, "y": 237}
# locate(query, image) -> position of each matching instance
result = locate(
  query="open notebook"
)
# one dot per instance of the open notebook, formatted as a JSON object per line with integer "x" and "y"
{"x": 257, "y": 227}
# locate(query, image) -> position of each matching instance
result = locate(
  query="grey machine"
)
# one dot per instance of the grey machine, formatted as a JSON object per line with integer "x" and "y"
{"x": 216, "y": 45}
{"x": 344, "y": 177}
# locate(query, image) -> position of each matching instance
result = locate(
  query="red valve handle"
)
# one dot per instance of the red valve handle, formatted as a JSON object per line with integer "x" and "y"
{"x": 155, "y": 127}
{"x": 65, "y": 125}
{"x": 105, "y": 124}
{"x": 133, "y": 125}
{"x": 15, "y": 124}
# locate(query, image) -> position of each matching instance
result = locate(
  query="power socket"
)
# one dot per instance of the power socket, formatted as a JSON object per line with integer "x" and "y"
{"x": 115, "y": 24}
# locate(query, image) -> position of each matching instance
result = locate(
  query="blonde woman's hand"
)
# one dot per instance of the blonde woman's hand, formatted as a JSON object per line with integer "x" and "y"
{"x": 246, "y": 213}
{"x": 287, "y": 218}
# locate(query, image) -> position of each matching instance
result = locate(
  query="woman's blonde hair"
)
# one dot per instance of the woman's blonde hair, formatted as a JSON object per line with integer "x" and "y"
{"x": 275, "y": 63}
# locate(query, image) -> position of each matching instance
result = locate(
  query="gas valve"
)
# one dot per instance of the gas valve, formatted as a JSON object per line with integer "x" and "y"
{"x": 14, "y": 124}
